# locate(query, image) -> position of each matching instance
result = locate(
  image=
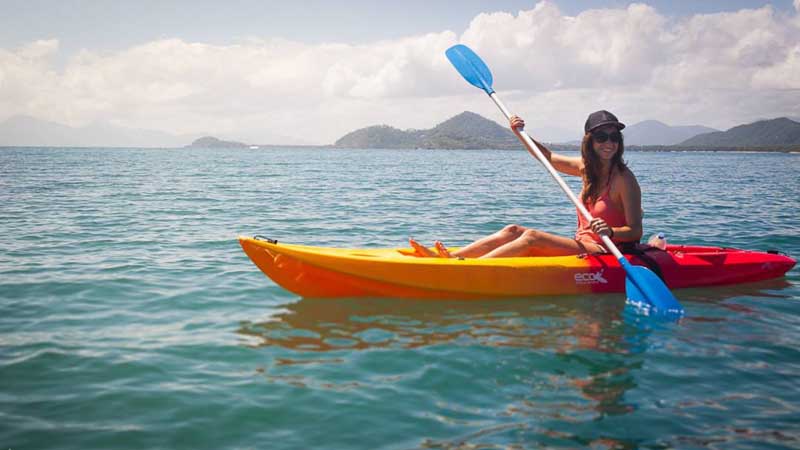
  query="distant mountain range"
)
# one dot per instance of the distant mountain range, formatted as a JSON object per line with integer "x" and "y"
{"x": 774, "y": 132}
{"x": 653, "y": 132}
{"x": 466, "y": 130}
{"x": 27, "y": 131}
{"x": 472, "y": 131}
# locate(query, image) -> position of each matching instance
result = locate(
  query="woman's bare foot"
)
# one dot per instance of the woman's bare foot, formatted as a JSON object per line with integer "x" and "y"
{"x": 420, "y": 250}
{"x": 442, "y": 250}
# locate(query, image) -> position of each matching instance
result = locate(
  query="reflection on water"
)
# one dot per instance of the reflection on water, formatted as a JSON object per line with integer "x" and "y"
{"x": 543, "y": 323}
{"x": 726, "y": 297}
{"x": 573, "y": 359}
{"x": 719, "y": 294}
{"x": 598, "y": 322}
{"x": 583, "y": 345}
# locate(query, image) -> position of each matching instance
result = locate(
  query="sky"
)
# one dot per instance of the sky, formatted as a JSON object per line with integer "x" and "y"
{"x": 308, "y": 72}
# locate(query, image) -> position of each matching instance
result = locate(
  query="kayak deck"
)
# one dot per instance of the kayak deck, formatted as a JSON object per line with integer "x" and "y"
{"x": 334, "y": 272}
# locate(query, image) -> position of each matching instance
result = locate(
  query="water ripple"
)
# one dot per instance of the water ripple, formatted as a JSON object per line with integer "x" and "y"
{"x": 130, "y": 317}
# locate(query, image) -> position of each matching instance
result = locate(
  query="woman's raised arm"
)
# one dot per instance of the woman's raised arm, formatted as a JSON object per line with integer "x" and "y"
{"x": 570, "y": 165}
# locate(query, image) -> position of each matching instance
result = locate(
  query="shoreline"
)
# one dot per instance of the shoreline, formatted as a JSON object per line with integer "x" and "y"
{"x": 555, "y": 147}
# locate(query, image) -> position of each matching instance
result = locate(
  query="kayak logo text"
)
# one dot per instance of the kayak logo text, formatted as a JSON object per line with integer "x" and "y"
{"x": 590, "y": 278}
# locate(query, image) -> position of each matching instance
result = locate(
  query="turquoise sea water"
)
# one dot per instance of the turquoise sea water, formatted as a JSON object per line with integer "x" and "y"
{"x": 130, "y": 317}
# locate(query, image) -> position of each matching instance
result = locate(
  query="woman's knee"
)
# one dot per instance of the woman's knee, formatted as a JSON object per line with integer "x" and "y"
{"x": 514, "y": 230}
{"x": 531, "y": 237}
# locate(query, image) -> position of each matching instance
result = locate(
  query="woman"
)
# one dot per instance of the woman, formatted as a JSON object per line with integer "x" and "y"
{"x": 610, "y": 192}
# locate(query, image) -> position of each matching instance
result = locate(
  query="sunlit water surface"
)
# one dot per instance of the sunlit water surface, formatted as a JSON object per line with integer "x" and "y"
{"x": 130, "y": 317}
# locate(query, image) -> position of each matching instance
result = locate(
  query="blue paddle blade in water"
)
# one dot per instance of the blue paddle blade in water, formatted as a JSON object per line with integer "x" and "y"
{"x": 471, "y": 67}
{"x": 643, "y": 287}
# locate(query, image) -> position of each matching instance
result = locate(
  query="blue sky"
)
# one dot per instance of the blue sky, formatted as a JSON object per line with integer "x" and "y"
{"x": 99, "y": 24}
{"x": 343, "y": 65}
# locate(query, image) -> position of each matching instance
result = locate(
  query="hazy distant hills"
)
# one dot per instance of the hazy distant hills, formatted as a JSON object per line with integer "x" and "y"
{"x": 463, "y": 131}
{"x": 24, "y": 131}
{"x": 466, "y": 130}
{"x": 212, "y": 142}
{"x": 764, "y": 133}
{"x": 653, "y": 132}
{"x": 27, "y": 131}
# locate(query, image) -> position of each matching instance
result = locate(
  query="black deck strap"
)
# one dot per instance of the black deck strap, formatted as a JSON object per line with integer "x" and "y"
{"x": 640, "y": 251}
{"x": 259, "y": 237}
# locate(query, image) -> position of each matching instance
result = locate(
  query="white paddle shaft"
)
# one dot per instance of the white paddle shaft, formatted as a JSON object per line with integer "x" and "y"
{"x": 534, "y": 150}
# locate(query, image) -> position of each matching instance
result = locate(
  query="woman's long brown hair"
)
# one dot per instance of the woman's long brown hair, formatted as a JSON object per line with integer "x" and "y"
{"x": 591, "y": 168}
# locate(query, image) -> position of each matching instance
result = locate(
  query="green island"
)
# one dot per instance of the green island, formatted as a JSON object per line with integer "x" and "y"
{"x": 469, "y": 130}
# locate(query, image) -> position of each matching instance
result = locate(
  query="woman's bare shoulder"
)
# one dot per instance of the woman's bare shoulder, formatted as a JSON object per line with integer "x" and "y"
{"x": 627, "y": 180}
{"x": 627, "y": 175}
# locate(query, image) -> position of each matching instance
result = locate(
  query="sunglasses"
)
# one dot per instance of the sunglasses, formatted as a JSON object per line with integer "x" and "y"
{"x": 602, "y": 136}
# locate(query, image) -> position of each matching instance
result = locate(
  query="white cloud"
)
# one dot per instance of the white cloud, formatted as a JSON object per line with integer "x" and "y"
{"x": 709, "y": 69}
{"x": 783, "y": 75}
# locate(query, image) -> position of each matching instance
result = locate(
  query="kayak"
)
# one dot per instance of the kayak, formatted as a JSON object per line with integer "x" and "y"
{"x": 316, "y": 272}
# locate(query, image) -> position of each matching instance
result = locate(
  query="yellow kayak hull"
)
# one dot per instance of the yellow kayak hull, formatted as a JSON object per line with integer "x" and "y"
{"x": 333, "y": 272}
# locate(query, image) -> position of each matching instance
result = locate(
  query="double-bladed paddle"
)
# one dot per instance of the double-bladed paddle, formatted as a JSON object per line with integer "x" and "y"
{"x": 641, "y": 285}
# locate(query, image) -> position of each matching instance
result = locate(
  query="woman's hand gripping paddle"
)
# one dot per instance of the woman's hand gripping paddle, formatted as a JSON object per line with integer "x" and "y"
{"x": 641, "y": 285}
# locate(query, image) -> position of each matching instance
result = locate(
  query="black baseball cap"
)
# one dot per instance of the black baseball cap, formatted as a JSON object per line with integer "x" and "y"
{"x": 599, "y": 118}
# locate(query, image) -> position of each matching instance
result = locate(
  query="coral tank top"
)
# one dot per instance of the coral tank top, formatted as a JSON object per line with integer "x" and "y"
{"x": 604, "y": 209}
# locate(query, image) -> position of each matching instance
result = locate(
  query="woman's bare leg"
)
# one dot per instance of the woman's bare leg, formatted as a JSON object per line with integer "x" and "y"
{"x": 473, "y": 250}
{"x": 539, "y": 243}
{"x": 486, "y": 245}
{"x": 512, "y": 240}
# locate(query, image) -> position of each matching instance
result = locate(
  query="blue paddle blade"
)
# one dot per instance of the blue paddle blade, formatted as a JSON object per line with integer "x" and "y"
{"x": 643, "y": 287}
{"x": 471, "y": 67}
